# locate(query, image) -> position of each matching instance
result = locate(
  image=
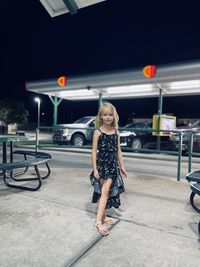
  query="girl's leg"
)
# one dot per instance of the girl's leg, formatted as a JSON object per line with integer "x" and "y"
{"x": 102, "y": 203}
{"x": 107, "y": 220}
{"x": 104, "y": 214}
{"x": 104, "y": 218}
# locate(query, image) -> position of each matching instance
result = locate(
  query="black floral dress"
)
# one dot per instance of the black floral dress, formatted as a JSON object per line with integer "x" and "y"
{"x": 108, "y": 168}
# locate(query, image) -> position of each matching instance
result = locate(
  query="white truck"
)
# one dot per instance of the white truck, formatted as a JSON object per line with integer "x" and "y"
{"x": 75, "y": 133}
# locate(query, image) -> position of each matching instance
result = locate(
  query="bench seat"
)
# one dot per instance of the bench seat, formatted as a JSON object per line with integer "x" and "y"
{"x": 4, "y": 167}
{"x": 193, "y": 176}
{"x": 35, "y": 154}
{"x": 21, "y": 164}
{"x": 195, "y": 187}
{"x": 194, "y": 179}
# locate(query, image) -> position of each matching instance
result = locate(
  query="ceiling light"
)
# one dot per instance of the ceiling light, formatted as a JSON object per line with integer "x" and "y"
{"x": 185, "y": 84}
{"x": 76, "y": 93}
{"x": 130, "y": 89}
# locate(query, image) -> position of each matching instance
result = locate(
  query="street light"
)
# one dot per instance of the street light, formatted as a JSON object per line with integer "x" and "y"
{"x": 38, "y": 100}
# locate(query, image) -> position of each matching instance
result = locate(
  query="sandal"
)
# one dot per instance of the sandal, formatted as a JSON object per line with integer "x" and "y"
{"x": 108, "y": 221}
{"x": 103, "y": 231}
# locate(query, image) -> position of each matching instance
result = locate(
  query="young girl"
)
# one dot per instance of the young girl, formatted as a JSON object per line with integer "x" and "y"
{"x": 107, "y": 164}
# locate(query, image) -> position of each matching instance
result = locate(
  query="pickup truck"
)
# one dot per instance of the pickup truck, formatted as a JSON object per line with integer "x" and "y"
{"x": 74, "y": 133}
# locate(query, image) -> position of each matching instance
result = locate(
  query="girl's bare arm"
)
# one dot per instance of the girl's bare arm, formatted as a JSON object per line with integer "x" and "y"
{"x": 120, "y": 159}
{"x": 94, "y": 149}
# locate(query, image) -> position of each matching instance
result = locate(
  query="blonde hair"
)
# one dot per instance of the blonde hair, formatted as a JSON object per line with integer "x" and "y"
{"x": 99, "y": 121}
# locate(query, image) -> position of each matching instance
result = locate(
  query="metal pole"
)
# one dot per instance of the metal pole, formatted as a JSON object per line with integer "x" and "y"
{"x": 38, "y": 114}
{"x": 55, "y": 103}
{"x": 160, "y": 104}
{"x": 190, "y": 152}
{"x": 100, "y": 100}
{"x": 179, "y": 155}
{"x": 38, "y": 100}
{"x": 55, "y": 112}
{"x": 37, "y": 140}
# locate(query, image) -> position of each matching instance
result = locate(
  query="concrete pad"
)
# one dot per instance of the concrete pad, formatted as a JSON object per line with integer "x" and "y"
{"x": 53, "y": 226}
{"x": 37, "y": 232}
{"x": 68, "y": 186}
{"x": 159, "y": 203}
{"x": 134, "y": 245}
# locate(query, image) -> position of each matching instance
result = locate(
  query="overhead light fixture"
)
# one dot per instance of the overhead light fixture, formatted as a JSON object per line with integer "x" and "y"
{"x": 136, "y": 94}
{"x": 76, "y": 93}
{"x": 83, "y": 98}
{"x": 185, "y": 91}
{"x": 130, "y": 89}
{"x": 185, "y": 84}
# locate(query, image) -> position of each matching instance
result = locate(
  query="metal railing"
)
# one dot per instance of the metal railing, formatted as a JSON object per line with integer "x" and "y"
{"x": 49, "y": 143}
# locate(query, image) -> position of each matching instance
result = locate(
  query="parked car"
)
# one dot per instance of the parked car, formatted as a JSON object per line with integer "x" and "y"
{"x": 141, "y": 139}
{"x": 174, "y": 140}
{"x": 74, "y": 133}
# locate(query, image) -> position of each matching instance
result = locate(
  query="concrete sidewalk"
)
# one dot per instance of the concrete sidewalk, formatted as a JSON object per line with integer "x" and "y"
{"x": 155, "y": 226}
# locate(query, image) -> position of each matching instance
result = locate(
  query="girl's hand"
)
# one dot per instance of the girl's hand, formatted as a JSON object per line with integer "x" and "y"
{"x": 124, "y": 173}
{"x": 96, "y": 174}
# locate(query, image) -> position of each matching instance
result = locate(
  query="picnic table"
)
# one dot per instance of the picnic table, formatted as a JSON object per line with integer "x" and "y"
{"x": 35, "y": 159}
{"x": 194, "y": 179}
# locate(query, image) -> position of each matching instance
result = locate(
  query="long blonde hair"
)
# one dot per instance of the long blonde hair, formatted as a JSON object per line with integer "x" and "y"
{"x": 99, "y": 121}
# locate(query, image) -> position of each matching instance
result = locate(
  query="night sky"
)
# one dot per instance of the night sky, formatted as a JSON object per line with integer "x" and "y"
{"x": 111, "y": 35}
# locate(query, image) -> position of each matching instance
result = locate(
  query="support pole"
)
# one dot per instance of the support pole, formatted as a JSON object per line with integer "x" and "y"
{"x": 71, "y": 6}
{"x": 55, "y": 103}
{"x": 100, "y": 100}
{"x": 38, "y": 114}
{"x": 160, "y": 105}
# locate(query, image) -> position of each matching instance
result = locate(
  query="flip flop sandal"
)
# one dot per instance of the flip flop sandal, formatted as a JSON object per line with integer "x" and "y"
{"x": 102, "y": 232}
{"x": 108, "y": 221}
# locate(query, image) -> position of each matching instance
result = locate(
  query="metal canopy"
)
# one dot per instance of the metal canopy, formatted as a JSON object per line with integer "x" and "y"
{"x": 174, "y": 80}
{"x": 60, "y": 7}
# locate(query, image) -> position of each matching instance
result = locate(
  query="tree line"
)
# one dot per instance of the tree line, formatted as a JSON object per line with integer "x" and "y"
{"x": 12, "y": 111}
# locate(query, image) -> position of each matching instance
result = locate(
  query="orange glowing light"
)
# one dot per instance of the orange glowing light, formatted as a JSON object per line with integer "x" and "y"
{"x": 149, "y": 71}
{"x": 62, "y": 81}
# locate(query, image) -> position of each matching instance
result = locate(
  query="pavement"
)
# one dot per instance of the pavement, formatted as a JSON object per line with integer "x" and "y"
{"x": 154, "y": 226}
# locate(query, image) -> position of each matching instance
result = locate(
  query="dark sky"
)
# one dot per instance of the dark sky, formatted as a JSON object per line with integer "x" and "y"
{"x": 112, "y": 35}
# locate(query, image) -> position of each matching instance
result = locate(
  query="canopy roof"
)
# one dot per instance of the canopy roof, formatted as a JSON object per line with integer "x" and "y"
{"x": 182, "y": 79}
{"x": 60, "y": 7}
